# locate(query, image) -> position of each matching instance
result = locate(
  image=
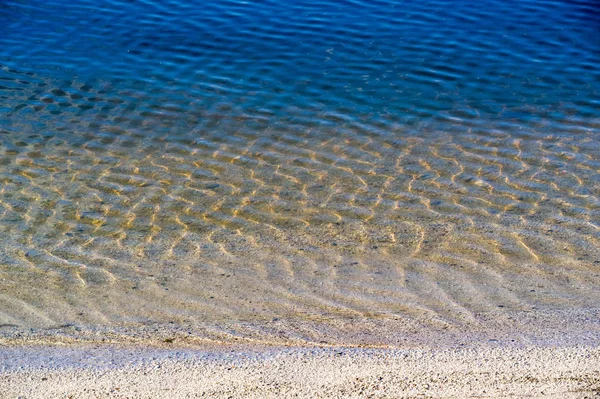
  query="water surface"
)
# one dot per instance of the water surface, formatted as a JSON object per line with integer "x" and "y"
{"x": 432, "y": 164}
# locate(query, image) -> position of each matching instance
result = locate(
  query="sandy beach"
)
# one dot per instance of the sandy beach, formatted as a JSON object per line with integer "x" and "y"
{"x": 233, "y": 372}
{"x": 542, "y": 354}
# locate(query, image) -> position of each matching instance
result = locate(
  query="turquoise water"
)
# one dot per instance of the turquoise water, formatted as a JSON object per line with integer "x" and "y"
{"x": 325, "y": 162}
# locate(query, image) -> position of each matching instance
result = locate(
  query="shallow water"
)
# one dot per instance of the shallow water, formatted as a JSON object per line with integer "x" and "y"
{"x": 323, "y": 162}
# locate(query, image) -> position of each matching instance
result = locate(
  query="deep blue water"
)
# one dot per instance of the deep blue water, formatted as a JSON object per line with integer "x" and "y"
{"x": 396, "y": 61}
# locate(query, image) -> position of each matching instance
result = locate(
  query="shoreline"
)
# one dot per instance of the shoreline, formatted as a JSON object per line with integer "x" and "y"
{"x": 549, "y": 327}
{"x": 540, "y": 354}
{"x": 262, "y": 372}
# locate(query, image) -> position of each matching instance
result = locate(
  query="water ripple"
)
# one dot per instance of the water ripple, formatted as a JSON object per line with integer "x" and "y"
{"x": 236, "y": 161}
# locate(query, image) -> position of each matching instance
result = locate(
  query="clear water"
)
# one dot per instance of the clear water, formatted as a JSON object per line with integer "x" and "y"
{"x": 228, "y": 163}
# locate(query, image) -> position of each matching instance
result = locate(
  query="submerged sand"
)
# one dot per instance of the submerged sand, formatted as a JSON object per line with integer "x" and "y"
{"x": 232, "y": 372}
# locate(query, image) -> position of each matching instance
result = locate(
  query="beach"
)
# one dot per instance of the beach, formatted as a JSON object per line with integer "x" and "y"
{"x": 542, "y": 355}
{"x": 103, "y": 372}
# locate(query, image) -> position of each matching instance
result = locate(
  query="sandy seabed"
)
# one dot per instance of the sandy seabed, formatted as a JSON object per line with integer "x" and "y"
{"x": 250, "y": 372}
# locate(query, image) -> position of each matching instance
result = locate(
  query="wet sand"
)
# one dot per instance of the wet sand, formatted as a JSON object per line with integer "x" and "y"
{"x": 225, "y": 372}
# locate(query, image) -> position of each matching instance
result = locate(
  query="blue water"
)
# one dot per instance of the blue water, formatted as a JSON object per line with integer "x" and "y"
{"x": 400, "y": 61}
{"x": 415, "y": 163}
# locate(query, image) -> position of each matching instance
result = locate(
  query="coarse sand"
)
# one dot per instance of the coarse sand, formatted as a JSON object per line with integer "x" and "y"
{"x": 335, "y": 372}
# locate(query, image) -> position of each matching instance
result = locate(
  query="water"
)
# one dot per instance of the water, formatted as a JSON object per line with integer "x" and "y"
{"x": 303, "y": 167}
